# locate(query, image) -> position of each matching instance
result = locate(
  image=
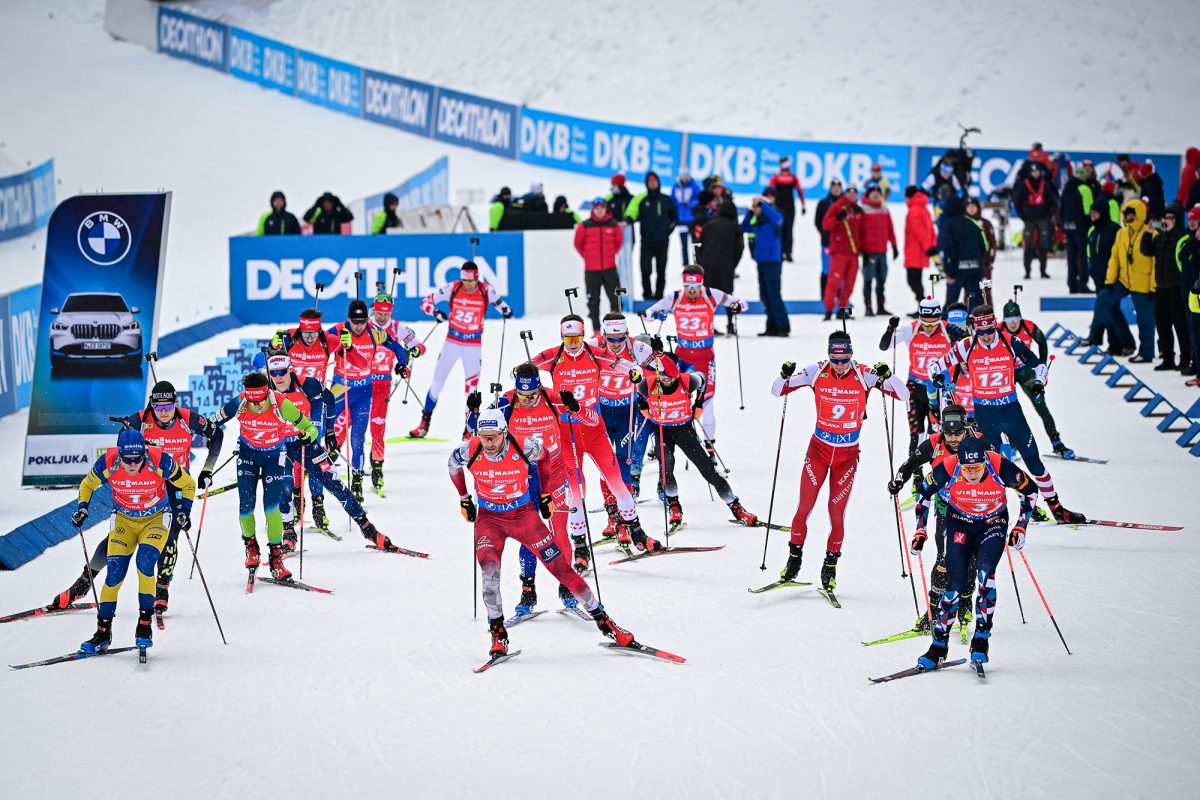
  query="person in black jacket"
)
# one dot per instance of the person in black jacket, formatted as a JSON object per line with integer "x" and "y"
{"x": 1036, "y": 198}
{"x": 327, "y": 214}
{"x": 1151, "y": 187}
{"x": 720, "y": 252}
{"x": 1101, "y": 236}
{"x": 1077, "y": 198}
{"x": 278, "y": 221}
{"x": 658, "y": 216}
{"x": 1169, "y": 310}
{"x": 835, "y": 191}
{"x": 1189, "y": 289}
{"x": 964, "y": 250}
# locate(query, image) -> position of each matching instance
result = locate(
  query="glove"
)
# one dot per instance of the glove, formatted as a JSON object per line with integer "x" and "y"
{"x": 895, "y": 253}
{"x": 893, "y": 323}
{"x": 310, "y": 434}
{"x": 184, "y": 520}
{"x": 403, "y": 371}
{"x": 1037, "y": 389}
{"x": 277, "y": 340}
{"x": 1042, "y": 373}
{"x": 1016, "y": 537}
{"x": 544, "y": 503}
{"x": 894, "y": 486}
{"x": 505, "y": 310}
{"x": 416, "y": 351}
{"x": 842, "y": 214}
{"x": 635, "y": 375}
{"x": 474, "y": 402}
{"x": 939, "y": 380}
{"x": 439, "y": 315}
{"x": 569, "y": 400}
{"x": 936, "y": 366}
{"x": 741, "y": 307}
{"x": 882, "y": 371}
{"x": 788, "y": 368}
{"x": 661, "y": 316}
{"x": 347, "y": 339}
{"x": 918, "y": 541}
{"x": 697, "y": 409}
{"x": 331, "y": 445}
{"x": 656, "y": 344}
{"x": 467, "y": 506}
{"x": 79, "y": 517}
{"x": 931, "y": 252}
{"x": 205, "y": 479}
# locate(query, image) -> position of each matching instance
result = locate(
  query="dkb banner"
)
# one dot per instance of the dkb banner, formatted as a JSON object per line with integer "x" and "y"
{"x": 98, "y": 317}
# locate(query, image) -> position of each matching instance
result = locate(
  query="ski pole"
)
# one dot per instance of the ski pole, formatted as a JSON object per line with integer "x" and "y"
{"x": 195, "y": 563}
{"x": 320, "y": 287}
{"x": 1016, "y": 591}
{"x": 436, "y": 322}
{"x": 496, "y": 389}
{"x": 577, "y": 465}
{"x": 151, "y": 357}
{"x": 87, "y": 566}
{"x": 526, "y": 338}
{"x": 737, "y": 343}
{"x": 620, "y": 292}
{"x": 300, "y": 510}
{"x": 892, "y": 471}
{"x": 395, "y": 275}
{"x": 924, "y": 588}
{"x": 572, "y": 292}
{"x": 500, "y": 362}
{"x": 1044, "y": 603}
{"x": 474, "y": 586}
{"x": 204, "y": 504}
{"x": 712, "y": 442}
{"x": 774, "y": 481}
{"x": 358, "y": 276}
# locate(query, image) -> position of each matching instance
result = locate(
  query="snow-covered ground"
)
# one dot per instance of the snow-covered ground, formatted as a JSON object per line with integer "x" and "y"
{"x": 368, "y": 692}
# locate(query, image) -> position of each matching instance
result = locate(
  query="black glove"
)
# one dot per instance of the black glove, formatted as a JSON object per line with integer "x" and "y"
{"x": 569, "y": 400}
{"x": 656, "y": 344}
{"x": 544, "y": 503}
{"x": 787, "y": 370}
{"x": 1037, "y": 389}
{"x": 331, "y": 446}
{"x": 205, "y": 479}
{"x": 506, "y": 311}
{"x": 184, "y": 520}
{"x": 882, "y": 371}
{"x": 931, "y": 252}
{"x": 894, "y": 486}
{"x": 474, "y": 401}
{"x": 939, "y": 380}
{"x": 842, "y": 214}
{"x": 893, "y": 323}
{"x": 895, "y": 253}
{"x": 439, "y": 315}
{"x": 79, "y": 517}
{"x": 467, "y": 506}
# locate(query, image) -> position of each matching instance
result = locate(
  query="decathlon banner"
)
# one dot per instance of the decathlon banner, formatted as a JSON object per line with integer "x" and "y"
{"x": 273, "y": 278}
{"x": 26, "y": 200}
{"x": 398, "y": 102}
{"x": 195, "y": 39}
{"x": 98, "y": 317}
{"x": 476, "y": 122}
{"x": 746, "y": 165}
{"x": 263, "y": 61}
{"x": 598, "y": 148}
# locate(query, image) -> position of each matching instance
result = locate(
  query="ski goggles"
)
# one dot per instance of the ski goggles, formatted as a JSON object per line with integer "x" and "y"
{"x": 164, "y": 407}
{"x": 972, "y": 470}
{"x": 278, "y": 373}
{"x": 1013, "y": 320}
{"x": 572, "y": 340}
{"x": 132, "y": 461}
{"x": 839, "y": 361}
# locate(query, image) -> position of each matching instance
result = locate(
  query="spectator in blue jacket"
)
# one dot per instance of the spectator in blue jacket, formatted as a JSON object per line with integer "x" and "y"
{"x": 964, "y": 247}
{"x": 764, "y": 222}
{"x": 685, "y": 193}
{"x": 656, "y": 216}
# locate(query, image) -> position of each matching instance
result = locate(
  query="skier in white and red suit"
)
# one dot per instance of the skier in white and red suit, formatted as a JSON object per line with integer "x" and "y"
{"x": 384, "y": 365}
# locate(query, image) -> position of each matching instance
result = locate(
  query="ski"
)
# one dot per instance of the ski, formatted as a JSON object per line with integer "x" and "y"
{"x": 250, "y": 580}
{"x": 294, "y": 584}
{"x": 400, "y": 551}
{"x": 602, "y": 541}
{"x": 770, "y": 587}
{"x": 907, "y": 673}
{"x": 830, "y": 596}
{"x": 678, "y": 527}
{"x": 404, "y": 439}
{"x": 576, "y": 611}
{"x": 78, "y": 655}
{"x": 518, "y": 618}
{"x": 637, "y": 648}
{"x": 379, "y": 491}
{"x": 292, "y": 553}
{"x": 761, "y": 524}
{"x": 964, "y": 632}
{"x": 327, "y": 532}
{"x": 494, "y": 660}
{"x": 1076, "y": 458}
{"x": 45, "y": 611}
{"x": 897, "y": 637}
{"x": 640, "y": 502}
{"x": 665, "y": 552}
{"x": 141, "y": 653}
{"x": 1140, "y": 526}
{"x": 159, "y": 622}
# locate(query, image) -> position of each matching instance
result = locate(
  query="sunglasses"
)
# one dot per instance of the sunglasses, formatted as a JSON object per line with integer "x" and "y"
{"x": 616, "y": 339}
{"x": 573, "y": 340}
{"x": 527, "y": 395}
{"x": 131, "y": 460}
{"x": 845, "y": 360}
{"x": 972, "y": 469}
{"x": 1012, "y": 319}
{"x": 279, "y": 373}
{"x": 164, "y": 407}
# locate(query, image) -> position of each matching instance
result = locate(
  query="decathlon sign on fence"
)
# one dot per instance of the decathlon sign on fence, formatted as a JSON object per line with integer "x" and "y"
{"x": 273, "y": 278}
{"x": 598, "y": 148}
{"x": 398, "y": 102}
{"x": 26, "y": 201}
{"x": 192, "y": 38}
{"x": 476, "y": 122}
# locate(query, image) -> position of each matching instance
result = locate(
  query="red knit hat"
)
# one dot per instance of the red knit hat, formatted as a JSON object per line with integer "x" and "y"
{"x": 618, "y": 179}
{"x": 1193, "y": 214}
{"x": 1108, "y": 186}
{"x": 1147, "y": 169}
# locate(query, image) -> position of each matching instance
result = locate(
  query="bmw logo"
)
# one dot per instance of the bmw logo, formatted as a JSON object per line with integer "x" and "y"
{"x": 104, "y": 238}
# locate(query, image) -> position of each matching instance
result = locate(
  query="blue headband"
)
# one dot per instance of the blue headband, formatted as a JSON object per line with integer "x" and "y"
{"x": 527, "y": 383}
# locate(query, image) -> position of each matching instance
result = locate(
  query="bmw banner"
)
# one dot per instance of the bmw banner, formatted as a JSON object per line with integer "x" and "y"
{"x": 99, "y": 317}
{"x": 273, "y": 278}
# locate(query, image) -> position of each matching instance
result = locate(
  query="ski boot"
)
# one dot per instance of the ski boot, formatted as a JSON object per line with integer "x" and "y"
{"x": 935, "y": 655}
{"x": 870, "y": 309}
{"x": 1062, "y": 515}
{"x": 610, "y": 530}
{"x": 422, "y": 428}
{"x": 742, "y": 515}
{"x": 499, "y": 637}
{"x": 143, "y": 635}
{"x": 528, "y": 595}
{"x": 639, "y": 538}
{"x": 965, "y": 615}
{"x": 161, "y": 597}
{"x": 101, "y": 639}
{"x": 318, "y": 513}
{"x": 979, "y": 645}
{"x": 635, "y": 484}
{"x": 568, "y": 599}
{"x": 829, "y": 571}
{"x": 583, "y": 555}
{"x": 377, "y": 476}
{"x": 76, "y": 590}
{"x": 253, "y": 554}
{"x": 356, "y": 480}
{"x": 675, "y": 511}
{"x": 275, "y": 561}
{"x": 610, "y": 629}
{"x": 1007, "y": 451}
{"x": 372, "y": 535}
{"x": 792, "y": 568}
{"x": 289, "y": 536}
{"x": 1062, "y": 449}
{"x": 922, "y": 624}
{"x": 1040, "y": 515}
{"x": 297, "y": 503}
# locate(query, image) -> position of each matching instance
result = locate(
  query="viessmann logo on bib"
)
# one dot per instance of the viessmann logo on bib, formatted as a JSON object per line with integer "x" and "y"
{"x": 104, "y": 238}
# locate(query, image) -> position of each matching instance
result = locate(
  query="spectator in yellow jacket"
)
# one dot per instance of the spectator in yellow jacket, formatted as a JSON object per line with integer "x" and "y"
{"x": 1131, "y": 272}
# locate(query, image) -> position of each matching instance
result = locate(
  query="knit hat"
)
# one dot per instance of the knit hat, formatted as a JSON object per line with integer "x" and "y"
{"x": 1011, "y": 309}
{"x": 163, "y": 392}
{"x": 618, "y": 179}
{"x": 131, "y": 444}
{"x": 1147, "y": 169}
{"x": 357, "y": 311}
{"x": 491, "y": 421}
{"x": 1193, "y": 215}
{"x": 1108, "y": 186}
{"x": 972, "y": 451}
{"x": 839, "y": 344}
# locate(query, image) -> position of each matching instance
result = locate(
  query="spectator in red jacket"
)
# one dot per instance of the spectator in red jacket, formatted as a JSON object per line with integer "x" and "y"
{"x": 843, "y": 220}
{"x": 877, "y": 234}
{"x": 598, "y": 239}
{"x": 920, "y": 241}
{"x": 784, "y": 183}
{"x": 1188, "y": 175}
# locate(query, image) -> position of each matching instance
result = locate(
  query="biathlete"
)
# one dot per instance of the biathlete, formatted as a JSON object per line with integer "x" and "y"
{"x": 142, "y": 479}
{"x": 384, "y": 366}
{"x": 1031, "y": 336}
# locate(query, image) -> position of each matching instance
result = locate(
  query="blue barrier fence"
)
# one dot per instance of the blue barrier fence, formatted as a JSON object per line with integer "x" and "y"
{"x": 26, "y": 200}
